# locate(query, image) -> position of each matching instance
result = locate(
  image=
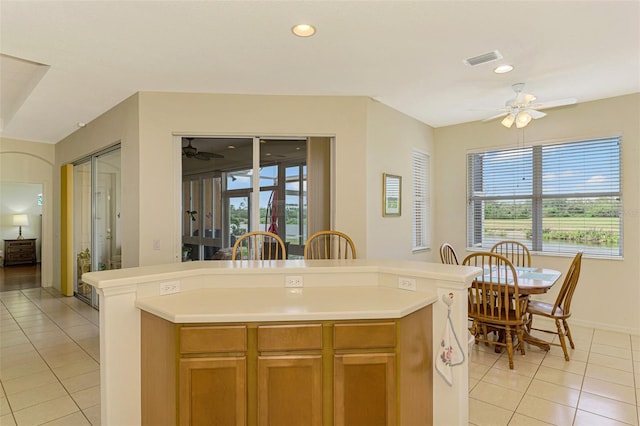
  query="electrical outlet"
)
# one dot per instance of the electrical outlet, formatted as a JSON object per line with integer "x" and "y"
{"x": 169, "y": 287}
{"x": 156, "y": 244}
{"x": 293, "y": 281}
{"x": 407, "y": 283}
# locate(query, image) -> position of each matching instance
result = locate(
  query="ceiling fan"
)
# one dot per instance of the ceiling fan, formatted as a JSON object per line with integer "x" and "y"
{"x": 521, "y": 109}
{"x": 190, "y": 151}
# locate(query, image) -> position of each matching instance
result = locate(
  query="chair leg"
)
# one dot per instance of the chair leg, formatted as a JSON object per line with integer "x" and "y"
{"x": 509, "y": 342}
{"x": 500, "y": 336}
{"x": 562, "y": 342}
{"x": 520, "y": 333}
{"x": 475, "y": 330}
{"x": 485, "y": 334}
{"x": 568, "y": 330}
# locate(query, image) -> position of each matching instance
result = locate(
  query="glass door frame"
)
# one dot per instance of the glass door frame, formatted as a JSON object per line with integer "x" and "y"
{"x": 253, "y": 196}
{"x": 94, "y": 248}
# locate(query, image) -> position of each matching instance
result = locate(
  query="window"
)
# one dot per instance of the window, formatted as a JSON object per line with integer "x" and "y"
{"x": 421, "y": 213}
{"x": 555, "y": 198}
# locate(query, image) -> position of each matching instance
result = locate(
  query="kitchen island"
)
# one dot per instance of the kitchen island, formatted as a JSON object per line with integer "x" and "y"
{"x": 346, "y": 344}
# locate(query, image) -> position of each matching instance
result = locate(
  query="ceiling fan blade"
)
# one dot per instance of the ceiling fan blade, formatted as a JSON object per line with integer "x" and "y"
{"x": 554, "y": 104}
{"x": 535, "y": 114}
{"x": 493, "y": 117}
{"x": 210, "y": 154}
{"x": 199, "y": 156}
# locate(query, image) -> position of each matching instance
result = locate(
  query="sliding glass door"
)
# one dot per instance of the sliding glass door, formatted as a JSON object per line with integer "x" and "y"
{"x": 235, "y": 185}
{"x": 96, "y": 215}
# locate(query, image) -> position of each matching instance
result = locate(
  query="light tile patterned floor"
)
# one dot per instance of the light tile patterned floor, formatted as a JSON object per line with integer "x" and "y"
{"x": 599, "y": 386}
{"x": 49, "y": 372}
{"x": 49, "y": 359}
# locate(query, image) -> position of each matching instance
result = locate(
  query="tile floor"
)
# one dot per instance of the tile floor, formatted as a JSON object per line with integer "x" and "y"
{"x": 49, "y": 372}
{"x": 599, "y": 386}
{"x": 49, "y": 359}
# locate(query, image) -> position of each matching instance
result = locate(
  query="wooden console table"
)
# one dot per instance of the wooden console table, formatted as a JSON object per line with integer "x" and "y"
{"x": 18, "y": 252}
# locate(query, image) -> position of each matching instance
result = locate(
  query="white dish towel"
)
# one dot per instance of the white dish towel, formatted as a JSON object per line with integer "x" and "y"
{"x": 448, "y": 355}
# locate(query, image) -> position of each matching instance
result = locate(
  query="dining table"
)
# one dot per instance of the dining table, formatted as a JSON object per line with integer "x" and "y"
{"x": 534, "y": 280}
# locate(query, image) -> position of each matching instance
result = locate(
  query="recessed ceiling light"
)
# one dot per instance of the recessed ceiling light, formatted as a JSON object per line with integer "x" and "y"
{"x": 231, "y": 147}
{"x": 501, "y": 69}
{"x": 81, "y": 124}
{"x": 303, "y": 30}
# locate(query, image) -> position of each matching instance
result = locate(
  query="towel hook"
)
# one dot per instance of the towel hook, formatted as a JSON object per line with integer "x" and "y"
{"x": 448, "y": 299}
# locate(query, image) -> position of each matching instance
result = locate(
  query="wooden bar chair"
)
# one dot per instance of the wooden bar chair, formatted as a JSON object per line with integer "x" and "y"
{"x": 561, "y": 309}
{"x": 515, "y": 251}
{"x": 259, "y": 245}
{"x": 329, "y": 245}
{"x": 495, "y": 302}
{"x": 448, "y": 254}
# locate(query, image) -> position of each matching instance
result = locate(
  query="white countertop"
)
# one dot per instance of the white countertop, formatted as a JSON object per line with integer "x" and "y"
{"x": 139, "y": 275}
{"x": 285, "y": 304}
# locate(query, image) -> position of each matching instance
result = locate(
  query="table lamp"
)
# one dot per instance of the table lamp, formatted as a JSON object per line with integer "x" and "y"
{"x": 20, "y": 220}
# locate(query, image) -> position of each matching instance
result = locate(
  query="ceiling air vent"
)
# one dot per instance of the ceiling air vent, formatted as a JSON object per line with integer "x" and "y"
{"x": 484, "y": 58}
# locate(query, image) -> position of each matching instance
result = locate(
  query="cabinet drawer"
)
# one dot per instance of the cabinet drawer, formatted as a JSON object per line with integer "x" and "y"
{"x": 363, "y": 336}
{"x": 213, "y": 339}
{"x": 21, "y": 246}
{"x": 289, "y": 337}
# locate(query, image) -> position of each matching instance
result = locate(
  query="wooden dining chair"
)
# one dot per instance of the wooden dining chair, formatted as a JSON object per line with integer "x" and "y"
{"x": 259, "y": 245}
{"x": 560, "y": 310}
{"x": 448, "y": 254}
{"x": 495, "y": 302}
{"x": 515, "y": 251}
{"x": 329, "y": 245}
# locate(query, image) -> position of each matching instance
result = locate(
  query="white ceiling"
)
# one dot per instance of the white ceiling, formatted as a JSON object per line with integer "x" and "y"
{"x": 406, "y": 54}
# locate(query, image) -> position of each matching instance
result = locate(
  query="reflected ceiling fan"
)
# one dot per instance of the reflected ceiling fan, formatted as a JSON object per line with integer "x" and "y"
{"x": 521, "y": 109}
{"x": 190, "y": 151}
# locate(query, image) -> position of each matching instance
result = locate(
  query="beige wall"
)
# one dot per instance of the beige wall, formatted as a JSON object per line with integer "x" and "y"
{"x": 391, "y": 139}
{"x": 608, "y": 293}
{"x": 163, "y": 115}
{"x": 32, "y": 162}
{"x": 146, "y": 125}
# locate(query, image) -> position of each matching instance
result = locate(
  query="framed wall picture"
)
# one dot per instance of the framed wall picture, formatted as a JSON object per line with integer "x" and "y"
{"x": 391, "y": 195}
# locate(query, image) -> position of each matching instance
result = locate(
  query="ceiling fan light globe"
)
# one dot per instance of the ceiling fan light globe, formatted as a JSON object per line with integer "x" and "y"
{"x": 508, "y": 120}
{"x": 522, "y": 119}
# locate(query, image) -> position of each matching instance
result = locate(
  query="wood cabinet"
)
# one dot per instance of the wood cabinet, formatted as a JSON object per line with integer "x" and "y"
{"x": 322, "y": 373}
{"x": 364, "y": 383}
{"x": 17, "y": 252}
{"x": 212, "y": 388}
{"x": 213, "y": 391}
{"x": 289, "y": 376}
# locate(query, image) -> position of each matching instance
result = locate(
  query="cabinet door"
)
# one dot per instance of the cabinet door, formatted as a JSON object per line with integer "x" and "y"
{"x": 213, "y": 391}
{"x": 365, "y": 389}
{"x": 290, "y": 390}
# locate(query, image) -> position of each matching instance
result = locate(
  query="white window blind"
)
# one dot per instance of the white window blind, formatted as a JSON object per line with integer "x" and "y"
{"x": 421, "y": 212}
{"x": 555, "y": 198}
